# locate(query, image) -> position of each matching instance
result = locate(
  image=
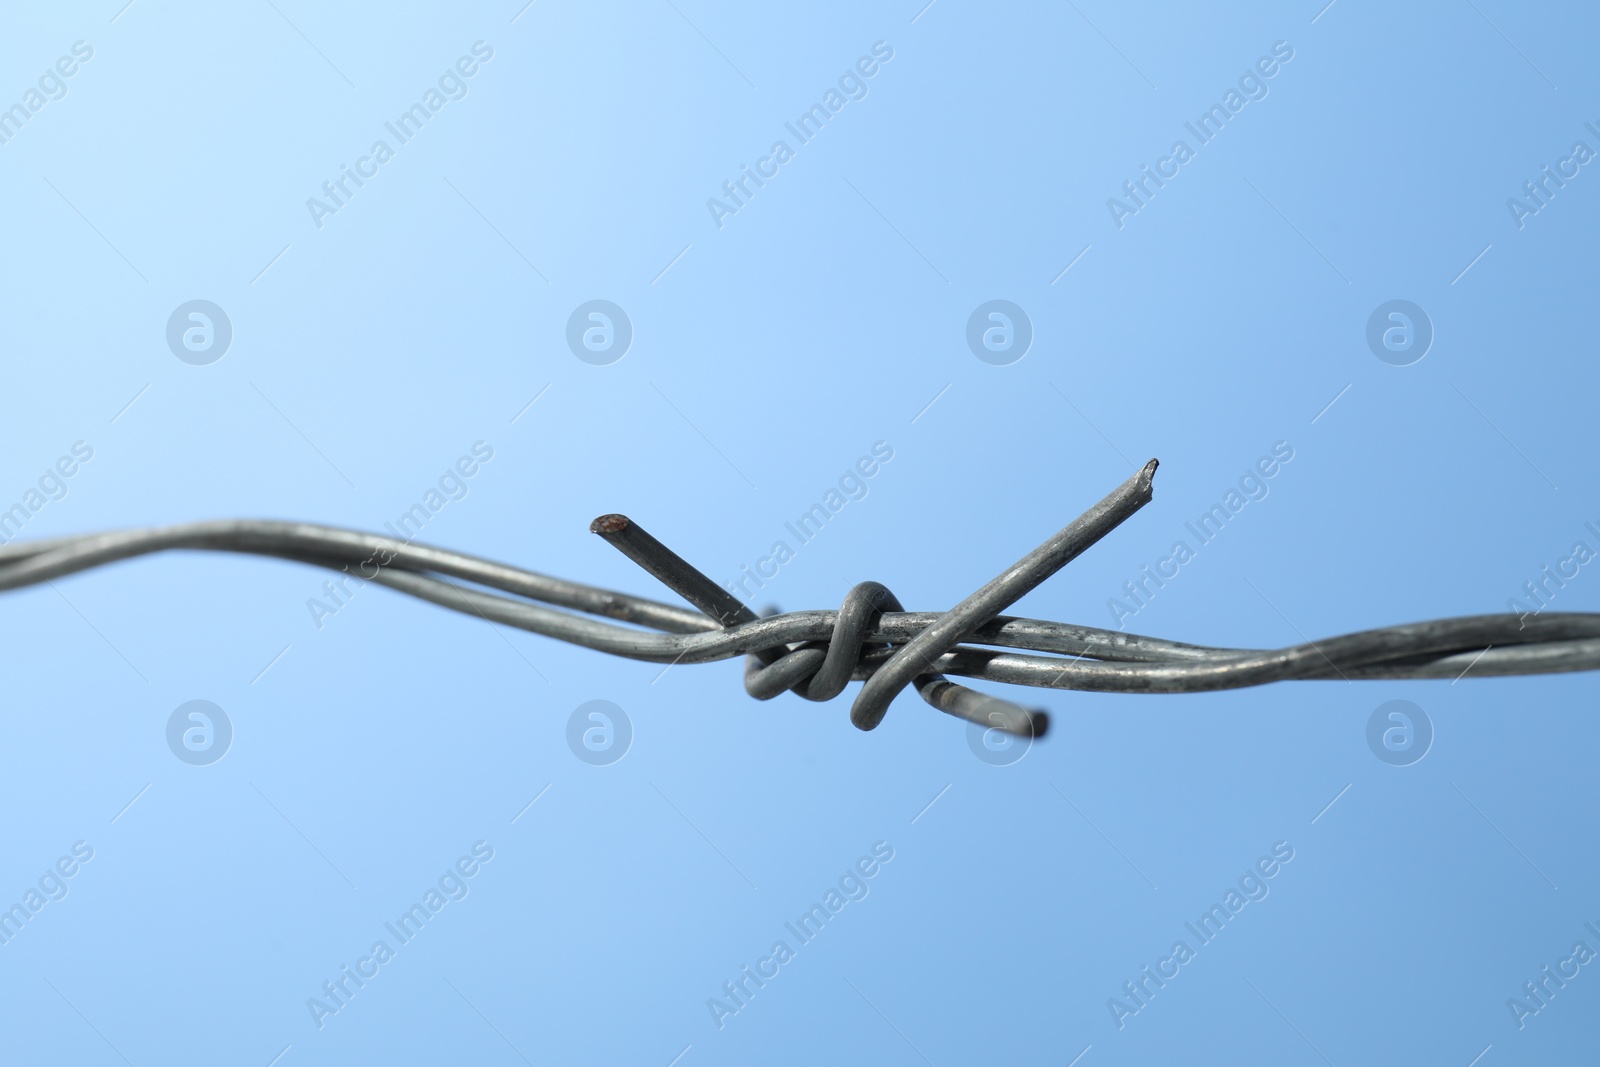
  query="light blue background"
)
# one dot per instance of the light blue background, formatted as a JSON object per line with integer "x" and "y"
{"x": 823, "y": 317}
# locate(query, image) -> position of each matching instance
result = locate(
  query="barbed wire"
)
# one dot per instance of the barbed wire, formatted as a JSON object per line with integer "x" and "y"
{"x": 870, "y": 638}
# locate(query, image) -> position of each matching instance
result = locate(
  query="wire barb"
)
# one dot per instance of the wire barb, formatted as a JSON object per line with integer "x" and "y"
{"x": 870, "y": 638}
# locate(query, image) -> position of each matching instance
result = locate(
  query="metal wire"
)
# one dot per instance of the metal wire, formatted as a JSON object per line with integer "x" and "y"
{"x": 816, "y": 654}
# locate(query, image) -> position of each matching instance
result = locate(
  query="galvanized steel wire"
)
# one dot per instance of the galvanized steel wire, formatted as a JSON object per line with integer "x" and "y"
{"x": 870, "y": 638}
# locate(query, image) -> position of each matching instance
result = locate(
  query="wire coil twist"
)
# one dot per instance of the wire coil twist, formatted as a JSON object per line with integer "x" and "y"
{"x": 820, "y": 670}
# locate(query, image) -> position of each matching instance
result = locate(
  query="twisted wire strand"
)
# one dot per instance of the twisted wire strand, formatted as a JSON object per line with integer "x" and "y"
{"x": 870, "y": 638}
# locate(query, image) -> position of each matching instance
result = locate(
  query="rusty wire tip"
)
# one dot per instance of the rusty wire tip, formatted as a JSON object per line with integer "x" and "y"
{"x": 671, "y": 569}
